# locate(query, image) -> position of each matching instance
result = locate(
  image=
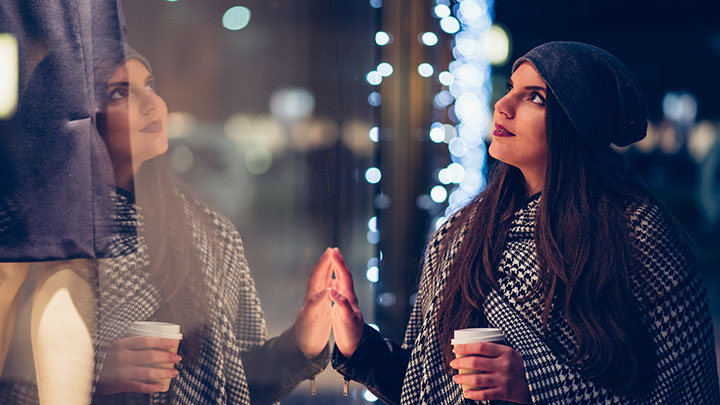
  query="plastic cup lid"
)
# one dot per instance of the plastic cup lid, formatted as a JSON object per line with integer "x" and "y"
{"x": 472, "y": 335}
{"x": 156, "y": 329}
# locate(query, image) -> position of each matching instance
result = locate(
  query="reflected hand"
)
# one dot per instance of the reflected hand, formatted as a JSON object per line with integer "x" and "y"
{"x": 313, "y": 322}
{"x": 128, "y": 365}
{"x": 499, "y": 372}
{"x": 347, "y": 320}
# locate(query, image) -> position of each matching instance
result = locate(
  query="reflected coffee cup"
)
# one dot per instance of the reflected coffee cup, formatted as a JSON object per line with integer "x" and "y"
{"x": 474, "y": 335}
{"x": 162, "y": 330}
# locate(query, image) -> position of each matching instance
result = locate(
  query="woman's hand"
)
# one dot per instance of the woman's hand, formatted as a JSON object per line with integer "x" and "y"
{"x": 313, "y": 323}
{"x": 347, "y": 320}
{"x": 128, "y": 365}
{"x": 498, "y": 372}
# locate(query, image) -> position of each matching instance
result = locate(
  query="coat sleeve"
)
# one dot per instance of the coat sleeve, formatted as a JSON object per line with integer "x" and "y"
{"x": 675, "y": 310}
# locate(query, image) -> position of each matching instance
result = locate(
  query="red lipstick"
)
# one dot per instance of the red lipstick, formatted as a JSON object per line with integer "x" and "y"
{"x": 155, "y": 126}
{"x": 502, "y": 131}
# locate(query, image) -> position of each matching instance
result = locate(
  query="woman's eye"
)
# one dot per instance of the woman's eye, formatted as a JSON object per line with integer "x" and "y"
{"x": 508, "y": 87}
{"x": 117, "y": 94}
{"x": 150, "y": 85}
{"x": 537, "y": 98}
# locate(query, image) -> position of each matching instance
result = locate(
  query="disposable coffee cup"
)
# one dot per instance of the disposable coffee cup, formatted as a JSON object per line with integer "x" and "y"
{"x": 474, "y": 335}
{"x": 162, "y": 330}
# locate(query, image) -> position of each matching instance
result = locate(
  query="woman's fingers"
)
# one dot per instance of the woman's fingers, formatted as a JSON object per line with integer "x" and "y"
{"x": 487, "y": 394}
{"x": 147, "y": 342}
{"x": 481, "y": 349}
{"x": 478, "y": 380}
{"x": 344, "y": 281}
{"x": 151, "y": 373}
{"x": 321, "y": 273}
{"x": 349, "y": 313}
{"x": 474, "y": 363}
{"x": 145, "y": 357}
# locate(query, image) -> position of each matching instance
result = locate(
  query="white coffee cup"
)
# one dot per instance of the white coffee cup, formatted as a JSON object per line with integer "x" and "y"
{"x": 474, "y": 335}
{"x": 162, "y": 330}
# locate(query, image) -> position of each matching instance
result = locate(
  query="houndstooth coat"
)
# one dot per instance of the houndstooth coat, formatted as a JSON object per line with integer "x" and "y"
{"x": 668, "y": 291}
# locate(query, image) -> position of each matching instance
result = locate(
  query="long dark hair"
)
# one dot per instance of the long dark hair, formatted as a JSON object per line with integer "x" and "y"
{"x": 176, "y": 262}
{"x": 584, "y": 256}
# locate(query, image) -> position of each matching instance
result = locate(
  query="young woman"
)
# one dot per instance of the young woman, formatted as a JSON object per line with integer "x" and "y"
{"x": 178, "y": 260}
{"x": 588, "y": 277}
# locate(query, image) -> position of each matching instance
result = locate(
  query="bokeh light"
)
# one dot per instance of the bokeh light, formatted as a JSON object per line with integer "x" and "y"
{"x": 236, "y": 18}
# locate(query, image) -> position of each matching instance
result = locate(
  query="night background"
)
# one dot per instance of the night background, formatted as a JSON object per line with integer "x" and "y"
{"x": 277, "y": 123}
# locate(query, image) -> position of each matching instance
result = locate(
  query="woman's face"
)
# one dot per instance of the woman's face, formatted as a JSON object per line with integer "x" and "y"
{"x": 134, "y": 123}
{"x": 519, "y": 138}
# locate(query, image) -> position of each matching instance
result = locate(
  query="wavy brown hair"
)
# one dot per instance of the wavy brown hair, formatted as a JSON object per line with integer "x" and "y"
{"x": 584, "y": 256}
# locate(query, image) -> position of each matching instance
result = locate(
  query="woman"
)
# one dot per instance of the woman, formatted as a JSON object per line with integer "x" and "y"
{"x": 590, "y": 280}
{"x": 178, "y": 260}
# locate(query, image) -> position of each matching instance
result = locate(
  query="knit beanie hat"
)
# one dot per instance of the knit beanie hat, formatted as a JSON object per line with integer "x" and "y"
{"x": 598, "y": 93}
{"x": 109, "y": 54}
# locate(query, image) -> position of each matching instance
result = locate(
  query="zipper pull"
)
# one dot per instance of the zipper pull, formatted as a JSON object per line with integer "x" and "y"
{"x": 313, "y": 388}
{"x": 346, "y": 387}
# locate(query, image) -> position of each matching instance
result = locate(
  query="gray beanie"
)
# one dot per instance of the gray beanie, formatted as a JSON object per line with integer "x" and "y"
{"x": 598, "y": 93}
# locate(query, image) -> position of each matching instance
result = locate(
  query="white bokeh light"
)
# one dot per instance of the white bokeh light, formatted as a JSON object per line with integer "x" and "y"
{"x": 429, "y": 38}
{"x": 385, "y": 69}
{"x": 374, "y": 78}
{"x": 425, "y": 69}
{"x": 450, "y": 25}
{"x": 438, "y": 194}
{"x": 373, "y": 175}
{"x": 382, "y": 38}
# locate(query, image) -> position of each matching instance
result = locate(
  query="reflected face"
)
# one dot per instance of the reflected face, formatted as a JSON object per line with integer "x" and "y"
{"x": 520, "y": 137}
{"x": 134, "y": 123}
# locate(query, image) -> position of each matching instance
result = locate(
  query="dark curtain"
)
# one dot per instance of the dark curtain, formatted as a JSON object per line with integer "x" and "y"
{"x": 55, "y": 174}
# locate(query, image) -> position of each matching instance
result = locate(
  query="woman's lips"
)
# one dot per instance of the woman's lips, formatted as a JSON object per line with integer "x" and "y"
{"x": 155, "y": 126}
{"x": 502, "y": 131}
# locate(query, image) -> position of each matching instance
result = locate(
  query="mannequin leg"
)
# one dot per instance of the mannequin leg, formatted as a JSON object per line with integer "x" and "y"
{"x": 62, "y": 324}
{"x": 12, "y": 276}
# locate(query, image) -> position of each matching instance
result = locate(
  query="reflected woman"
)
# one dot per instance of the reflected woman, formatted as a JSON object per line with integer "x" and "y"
{"x": 178, "y": 260}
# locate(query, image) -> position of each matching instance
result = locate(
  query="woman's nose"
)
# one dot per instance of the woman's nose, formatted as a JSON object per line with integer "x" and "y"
{"x": 148, "y": 102}
{"x": 503, "y": 107}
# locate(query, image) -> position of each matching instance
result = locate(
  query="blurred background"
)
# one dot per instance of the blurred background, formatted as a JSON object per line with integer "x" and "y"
{"x": 362, "y": 124}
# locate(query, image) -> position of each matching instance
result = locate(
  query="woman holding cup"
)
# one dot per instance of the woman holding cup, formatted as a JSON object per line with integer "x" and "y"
{"x": 591, "y": 282}
{"x": 180, "y": 265}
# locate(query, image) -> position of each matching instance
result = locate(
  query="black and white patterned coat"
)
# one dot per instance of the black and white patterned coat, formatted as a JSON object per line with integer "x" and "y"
{"x": 668, "y": 292}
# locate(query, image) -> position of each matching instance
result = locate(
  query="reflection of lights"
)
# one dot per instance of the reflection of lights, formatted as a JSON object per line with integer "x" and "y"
{"x": 439, "y": 222}
{"x": 450, "y": 25}
{"x": 444, "y": 176}
{"x": 446, "y": 78}
{"x": 425, "y": 69}
{"x": 373, "y": 274}
{"x": 424, "y": 202}
{"x": 373, "y": 237}
{"x": 382, "y": 38}
{"x": 438, "y": 194}
{"x": 374, "y": 134}
{"x": 372, "y": 262}
{"x": 292, "y": 103}
{"x": 680, "y": 107}
{"x": 374, "y": 99}
{"x": 180, "y": 124}
{"x": 386, "y": 299}
{"x": 181, "y": 159}
{"x": 701, "y": 139}
{"x": 8, "y": 75}
{"x": 470, "y": 11}
{"x": 441, "y": 11}
{"x": 375, "y": 3}
{"x": 443, "y": 99}
{"x": 457, "y": 147}
{"x": 437, "y": 134}
{"x": 236, "y": 18}
{"x": 373, "y": 175}
{"x": 368, "y": 396}
{"x": 456, "y": 172}
{"x": 429, "y": 38}
{"x": 258, "y": 160}
{"x": 385, "y": 69}
{"x": 374, "y": 78}
{"x": 496, "y": 45}
{"x": 248, "y": 131}
{"x": 372, "y": 325}
{"x": 650, "y": 142}
{"x": 372, "y": 224}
